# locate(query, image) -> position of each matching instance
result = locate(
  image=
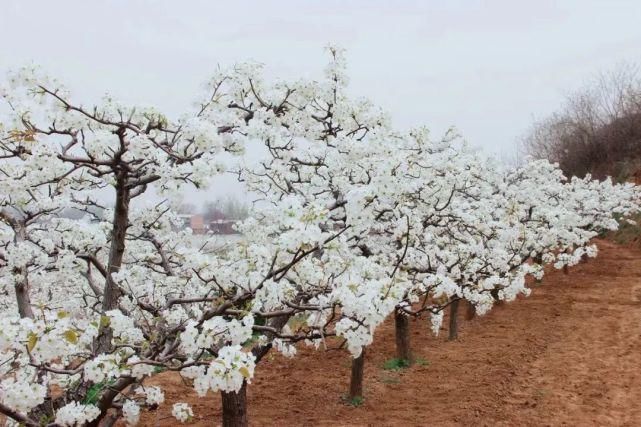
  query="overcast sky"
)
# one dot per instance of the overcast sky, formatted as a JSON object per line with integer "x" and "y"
{"x": 489, "y": 68}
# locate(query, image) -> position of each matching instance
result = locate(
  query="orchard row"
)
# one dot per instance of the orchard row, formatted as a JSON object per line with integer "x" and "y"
{"x": 354, "y": 221}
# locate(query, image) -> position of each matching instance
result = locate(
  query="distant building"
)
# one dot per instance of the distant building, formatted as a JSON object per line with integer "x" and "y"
{"x": 222, "y": 226}
{"x": 197, "y": 224}
{"x": 218, "y": 223}
{"x": 213, "y": 222}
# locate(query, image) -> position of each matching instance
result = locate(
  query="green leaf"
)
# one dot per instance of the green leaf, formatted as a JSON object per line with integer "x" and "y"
{"x": 93, "y": 393}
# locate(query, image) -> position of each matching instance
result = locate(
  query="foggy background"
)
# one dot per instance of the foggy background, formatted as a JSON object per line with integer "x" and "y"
{"x": 489, "y": 68}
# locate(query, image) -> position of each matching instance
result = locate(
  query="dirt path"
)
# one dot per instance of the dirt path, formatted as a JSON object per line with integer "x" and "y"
{"x": 567, "y": 355}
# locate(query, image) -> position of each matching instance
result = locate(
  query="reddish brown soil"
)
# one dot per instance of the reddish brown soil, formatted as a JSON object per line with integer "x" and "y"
{"x": 567, "y": 355}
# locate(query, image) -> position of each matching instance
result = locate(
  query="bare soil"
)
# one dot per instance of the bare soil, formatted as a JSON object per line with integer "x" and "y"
{"x": 567, "y": 355}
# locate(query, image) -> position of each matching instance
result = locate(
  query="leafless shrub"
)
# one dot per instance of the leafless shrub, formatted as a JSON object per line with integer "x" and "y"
{"x": 597, "y": 130}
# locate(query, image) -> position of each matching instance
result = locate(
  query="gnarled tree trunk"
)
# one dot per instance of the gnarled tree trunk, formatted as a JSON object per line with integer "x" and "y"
{"x": 401, "y": 322}
{"x": 235, "y": 407}
{"x": 454, "y": 319}
{"x": 22, "y": 296}
{"x": 116, "y": 253}
{"x": 356, "y": 380}
{"x": 22, "y": 288}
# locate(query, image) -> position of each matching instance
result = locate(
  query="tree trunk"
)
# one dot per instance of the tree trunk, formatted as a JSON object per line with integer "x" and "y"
{"x": 116, "y": 253}
{"x": 401, "y": 322}
{"x": 22, "y": 296}
{"x": 106, "y": 399}
{"x": 235, "y": 407}
{"x": 235, "y": 404}
{"x": 454, "y": 319}
{"x": 117, "y": 249}
{"x": 22, "y": 288}
{"x": 470, "y": 313}
{"x": 356, "y": 381}
{"x": 566, "y": 268}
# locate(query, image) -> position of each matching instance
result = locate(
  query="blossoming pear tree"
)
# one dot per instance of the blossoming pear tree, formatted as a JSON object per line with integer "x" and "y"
{"x": 503, "y": 227}
{"x": 105, "y": 301}
{"x": 325, "y": 154}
